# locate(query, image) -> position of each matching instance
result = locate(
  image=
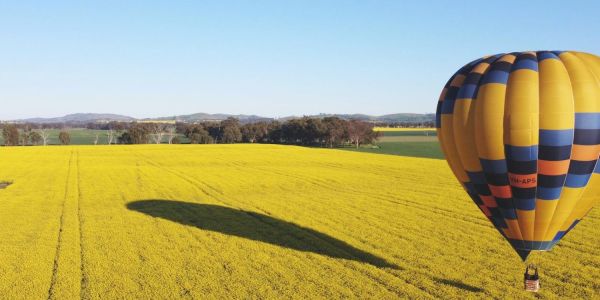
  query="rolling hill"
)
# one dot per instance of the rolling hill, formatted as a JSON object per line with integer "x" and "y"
{"x": 200, "y": 117}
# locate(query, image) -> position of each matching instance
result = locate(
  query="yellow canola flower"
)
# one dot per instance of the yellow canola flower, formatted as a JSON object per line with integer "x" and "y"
{"x": 257, "y": 221}
{"x": 396, "y": 129}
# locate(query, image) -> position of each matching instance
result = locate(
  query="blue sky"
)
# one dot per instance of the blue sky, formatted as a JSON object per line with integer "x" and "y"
{"x": 271, "y": 58}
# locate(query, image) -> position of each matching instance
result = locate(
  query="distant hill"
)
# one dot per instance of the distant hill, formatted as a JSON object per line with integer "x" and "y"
{"x": 200, "y": 117}
{"x": 391, "y": 118}
{"x": 80, "y": 118}
{"x": 406, "y": 117}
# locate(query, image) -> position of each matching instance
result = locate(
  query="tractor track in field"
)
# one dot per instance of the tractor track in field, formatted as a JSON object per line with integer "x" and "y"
{"x": 203, "y": 189}
{"x": 383, "y": 198}
{"x": 73, "y": 170}
{"x": 402, "y": 202}
{"x": 441, "y": 212}
{"x": 194, "y": 182}
{"x": 84, "y": 290}
{"x": 184, "y": 291}
{"x": 54, "y": 277}
{"x": 350, "y": 190}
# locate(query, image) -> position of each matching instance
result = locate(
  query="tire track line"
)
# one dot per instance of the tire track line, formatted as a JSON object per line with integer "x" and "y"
{"x": 406, "y": 267}
{"x": 84, "y": 292}
{"x": 380, "y": 281}
{"x": 59, "y": 241}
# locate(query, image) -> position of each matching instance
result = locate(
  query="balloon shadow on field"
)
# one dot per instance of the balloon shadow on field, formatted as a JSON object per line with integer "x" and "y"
{"x": 254, "y": 226}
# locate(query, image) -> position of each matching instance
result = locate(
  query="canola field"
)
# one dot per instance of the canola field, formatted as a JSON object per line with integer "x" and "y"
{"x": 259, "y": 221}
{"x": 402, "y": 129}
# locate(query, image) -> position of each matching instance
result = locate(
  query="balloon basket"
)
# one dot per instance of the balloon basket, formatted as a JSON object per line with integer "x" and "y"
{"x": 532, "y": 281}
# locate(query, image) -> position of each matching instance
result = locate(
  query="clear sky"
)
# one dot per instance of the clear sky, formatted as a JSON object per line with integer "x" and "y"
{"x": 271, "y": 58}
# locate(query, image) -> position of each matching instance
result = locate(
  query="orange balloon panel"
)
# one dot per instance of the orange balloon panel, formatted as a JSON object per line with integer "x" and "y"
{"x": 521, "y": 132}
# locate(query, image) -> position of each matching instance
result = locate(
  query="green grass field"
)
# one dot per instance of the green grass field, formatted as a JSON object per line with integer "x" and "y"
{"x": 405, "y": 143}
{"x": 414, "y": 149}
{"x": 79, "y": 136}
{"x": 410, "y": 133}
{"x": 83, "y": 136}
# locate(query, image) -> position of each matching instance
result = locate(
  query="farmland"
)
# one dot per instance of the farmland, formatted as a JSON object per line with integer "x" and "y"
{"x": 416, "y": 142}
{"x": 84, "y": 136}
{"x": 259, "y": 221}
{"x": 79, "y": 136}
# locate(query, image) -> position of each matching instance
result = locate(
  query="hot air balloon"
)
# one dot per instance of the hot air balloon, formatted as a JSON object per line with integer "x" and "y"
{"x": 521, "y": 133}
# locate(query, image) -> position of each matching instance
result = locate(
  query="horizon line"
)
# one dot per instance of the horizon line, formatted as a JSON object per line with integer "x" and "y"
{"x": 218, "y": 113}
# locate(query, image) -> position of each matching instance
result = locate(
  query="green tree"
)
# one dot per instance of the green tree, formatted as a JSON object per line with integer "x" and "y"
{"x": 35, "y": 138}
{"x": 231, "y": 131}
{"x": 360, "y": 132}
{"x": 197, "y": 134}
{"x": 10, "y": 133}
{"x": 231, "y": 135}
{"x": 137, "y": 133}
{"x": 24, "y": 136}
{"x": 334, "y": 131}
{"x": 64, "y": 137}
{"x": 200, "y": 136}
{"x": 255, "y": 132}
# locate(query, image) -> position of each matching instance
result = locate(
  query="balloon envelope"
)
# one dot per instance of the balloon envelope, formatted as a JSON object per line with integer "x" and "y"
{"x": 521, "y": 132}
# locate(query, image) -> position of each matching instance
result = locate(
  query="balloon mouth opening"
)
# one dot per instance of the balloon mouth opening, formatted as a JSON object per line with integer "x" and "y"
{"x": 524, "y": 248}
{"x": 523, "y": 254}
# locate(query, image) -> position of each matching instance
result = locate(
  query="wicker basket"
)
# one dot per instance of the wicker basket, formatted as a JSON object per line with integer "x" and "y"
{"x": 532, "y": 281}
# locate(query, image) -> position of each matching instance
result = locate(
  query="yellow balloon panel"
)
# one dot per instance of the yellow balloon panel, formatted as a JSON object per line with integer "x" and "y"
{"x": 521, "y": 132}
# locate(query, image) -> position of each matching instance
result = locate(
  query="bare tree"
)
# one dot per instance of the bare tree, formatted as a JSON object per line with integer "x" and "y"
{"x": 110, "y": 134}
{"x": 361, "y": 132}
{"x": 45, "y": 134}
{"x": 171, "y": 133}
{"x": 157, "y": 132}
{"x": 96, "y": 139}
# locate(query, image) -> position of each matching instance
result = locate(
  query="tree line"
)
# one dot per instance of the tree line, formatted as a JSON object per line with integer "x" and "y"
{"x": 424, "y": 124}
{"x": 28, "y": 134}
{"x": 326, "y": 132}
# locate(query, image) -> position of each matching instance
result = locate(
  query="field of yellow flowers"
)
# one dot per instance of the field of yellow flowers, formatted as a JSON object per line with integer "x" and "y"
{"x": 401, "y": 129}
{"x": 259, "y": 221}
